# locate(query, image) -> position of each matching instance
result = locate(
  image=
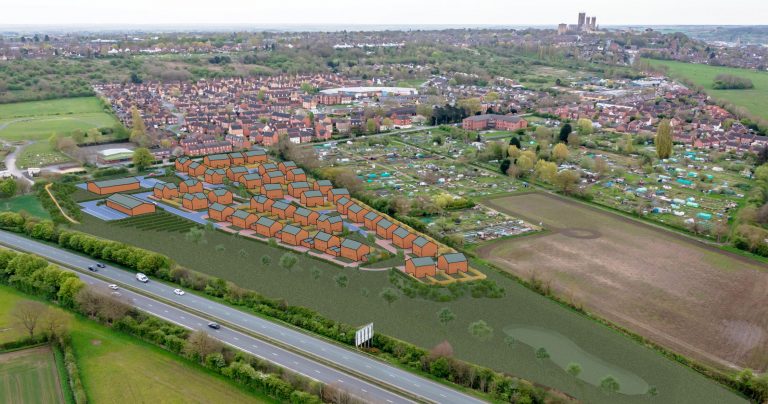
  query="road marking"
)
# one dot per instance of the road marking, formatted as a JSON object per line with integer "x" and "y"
{"x": 317, "y": 371}
{"x": 295, "y": 363}
{"x": 391, "y": 375}
{"x": 274, "y": 354}
{"x": 364, "y": 390}
{"x": 182, "y": 317}
{"x": 340, "y": 381}
{"x": 166, "y": 311}
{"x": 255, "y": 346}
{"x": 149, "y": 304}
{"x": 345, "y": 357}
{"x": 200, "y": 324}
{"x": 302, "y": 341}
{"x": 443, "y": 395}
{"x": 389, "y": 401}
{"x": 236, "y": 339}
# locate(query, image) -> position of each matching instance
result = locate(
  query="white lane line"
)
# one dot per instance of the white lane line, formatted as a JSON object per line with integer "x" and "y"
{"x": 182, "y": 317}
{"x": 317, "y": 371}
{"x": 443, "y": 395}
{"x": 255, "y": 346}
{"x": 236, "y": 339}
{"x": 274, "y": 354}
{"x": 340, "y": 381}
{"x": 295, "y": 363}
{"x": 364, "y": 390}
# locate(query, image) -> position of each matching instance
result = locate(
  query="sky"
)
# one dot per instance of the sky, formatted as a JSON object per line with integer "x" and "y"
{"x": 387, "y": 12}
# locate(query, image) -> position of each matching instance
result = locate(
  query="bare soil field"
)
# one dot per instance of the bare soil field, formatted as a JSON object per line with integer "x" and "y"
{"x": 683, "y": 294}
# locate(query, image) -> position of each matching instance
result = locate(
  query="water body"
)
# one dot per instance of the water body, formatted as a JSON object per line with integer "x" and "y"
{"x": 562, "y": 351}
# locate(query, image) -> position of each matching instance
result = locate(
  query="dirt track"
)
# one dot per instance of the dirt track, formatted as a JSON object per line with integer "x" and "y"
{"x": 678, "y": 292}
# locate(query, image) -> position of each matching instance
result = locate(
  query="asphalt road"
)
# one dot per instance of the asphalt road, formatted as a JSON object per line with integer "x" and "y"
{"x": 346, "y": 359}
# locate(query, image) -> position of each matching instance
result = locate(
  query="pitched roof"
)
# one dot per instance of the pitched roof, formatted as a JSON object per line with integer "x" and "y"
{"x": 422, "y": 261}
{"x": 401, "y": 232}
{"x": 455, "y": 257}
{"x": 420, "y": 241}
{"x": 116, "y": 182}
{"x": 241, "y": 214}
{"x": 265, "y": 221}
{"x": 351, "y": 244}
{"x": 272, "y": 187}
{"x": 313, "y": 194}
{"x": 126, "y": 201}
{"x": 291, "y": 229}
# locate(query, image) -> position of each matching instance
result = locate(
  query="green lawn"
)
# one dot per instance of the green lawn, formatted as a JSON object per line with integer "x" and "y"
{"x": 61, "y": 106}
{"x": 37, "y": 120}
{"x": 416, "y": 320}
{"x": 755, "y": 100}
{"x": 29, "y": 376}
{"x": 27, "y": 203}
{"x": 40, "y": 154}
{"x": 118, "y": 368}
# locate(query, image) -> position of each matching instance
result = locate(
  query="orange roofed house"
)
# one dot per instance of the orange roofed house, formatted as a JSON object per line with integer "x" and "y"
{"x": 420, "y": 267}
{"x": 113, "y": 186}
{"x": 452, "y": 263}
{"x": 130, "y": 205}
{"x": 165, "y": 190}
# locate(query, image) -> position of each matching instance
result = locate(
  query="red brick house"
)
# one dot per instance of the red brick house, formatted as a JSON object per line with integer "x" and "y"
{"x": 274, "y": 191}
{"x": 273, "y": 177}
{"x": 385, "y": 228}
{"x": 330, "y": 224}
{"x": 255, "y": 156}
{"x": 354, "y": 250}
{"x": 283, "y": 210}
{"x": 312, "y": 198}
{"x": 337, "y": 193}
{"x": 403, "y": 238}
{"x": 190, "y": 186}
{"x": 293, "y": 235}
{"x": 217, "y": 160}
{"x": 420, "y": 267}
{"x": 491, "y": 121}
{"x": 243, "y": 219}
{"x": 285, "y": 166}
{"x": 323, "y": 241}
{"x": 250, "y": 181}
{"x": 356, "y": 213}
{"x": 196, "y": 169}
{"x": 370, "y": 219}
{"x": 453, "y": 263}
{"x": 323, "y": 186}
{"x": 305, "y": 217}
{"x": 261, "y": 203}
{"x": 234, "y": 173}
{"x": 182, "y": 164}
{"x": 342, "y": 204}
{"x": 297, "y": 174}
{"x": 220, "y": 213}
{"x": 194, "y": 201}
{"x": 221, "y": 196}
{"x": 295, "y": 189}
{"x": 236, "y": 158}
{"x": 267, "y": 227}
{"x": 215, "y": 175}
{"x": 422, "y": 247}
{"x": 165, "y": 190}
{"x": 267, "y": 167}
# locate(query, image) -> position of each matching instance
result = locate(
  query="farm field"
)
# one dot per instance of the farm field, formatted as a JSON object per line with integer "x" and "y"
{"x": 37, "y": 120}
{"x": 27, "y": 203}
{"x": 755, "y": 100}
{"x": 519, "y": 314}
{"x": 696, "y": 300}
{"x": 119, "y": 368}
{"x": 29, "y": 376}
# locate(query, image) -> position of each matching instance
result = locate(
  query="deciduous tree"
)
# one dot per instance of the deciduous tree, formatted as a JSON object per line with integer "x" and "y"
{"x": 28, "y": 314}
{"x": 663, "y": 139}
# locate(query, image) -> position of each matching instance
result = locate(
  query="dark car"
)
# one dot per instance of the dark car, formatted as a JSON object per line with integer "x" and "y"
{"x": 215, "y": 326}
{"x": 92, "y": 268}
{"x": 100, "y": 265}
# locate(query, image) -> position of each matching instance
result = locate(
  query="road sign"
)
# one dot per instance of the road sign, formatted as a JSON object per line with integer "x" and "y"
{"x": 364, "y": 335}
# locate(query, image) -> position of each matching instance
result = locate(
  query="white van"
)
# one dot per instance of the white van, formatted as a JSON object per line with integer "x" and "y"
{"x": 142, "y": 278}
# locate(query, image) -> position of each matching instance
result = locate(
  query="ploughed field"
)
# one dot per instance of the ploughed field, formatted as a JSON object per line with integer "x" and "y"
{"x": 29, "y": 376}
{"x": 692, "y": 298}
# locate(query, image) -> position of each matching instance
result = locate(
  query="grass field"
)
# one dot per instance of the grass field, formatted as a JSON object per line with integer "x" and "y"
{"x": 37, "y": 120}
{"x": 601, "y": 351}
{"x": 755, "y": 100}
{"x": 696, "y": 300}
{"x": 29, "y": 376}
{"x": 27, "y": 203}
{"x": 117, "y": 368}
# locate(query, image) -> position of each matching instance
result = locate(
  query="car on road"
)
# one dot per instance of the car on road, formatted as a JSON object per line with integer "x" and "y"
{"x": 113, "y": 286}
{"x": 100, "y": 265}
{"x": 92, "y": 268}
{"x": 215, "y": 326}
{"x": 142, "y": 278}
{"x": 178, "y": 292}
